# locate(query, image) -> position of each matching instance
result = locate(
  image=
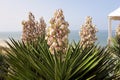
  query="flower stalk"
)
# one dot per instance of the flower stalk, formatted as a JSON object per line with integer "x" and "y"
{"x": 117, "y": 32}
{"x": 88, "y": 33}
{"x": 33, "y": 29}
{"x": 57, "y": 33}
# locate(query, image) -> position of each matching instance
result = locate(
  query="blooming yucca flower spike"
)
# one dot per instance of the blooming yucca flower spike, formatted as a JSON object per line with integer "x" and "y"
{"x": 117, "y": 32}
{"x": 33, "y": 29}
{"x": 88, "y": 33}
{"x": 40, "y": 28}
{"x": 57, "y": 32}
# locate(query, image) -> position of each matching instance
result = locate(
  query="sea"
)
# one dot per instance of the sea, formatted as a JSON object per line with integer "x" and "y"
{"x": 102, "y": 36}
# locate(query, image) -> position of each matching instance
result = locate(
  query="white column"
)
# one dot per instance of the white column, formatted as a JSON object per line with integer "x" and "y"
{"x": 109, "y": 30}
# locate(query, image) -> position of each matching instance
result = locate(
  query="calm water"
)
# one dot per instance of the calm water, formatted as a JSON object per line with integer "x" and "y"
{"x": 74, "y": 35}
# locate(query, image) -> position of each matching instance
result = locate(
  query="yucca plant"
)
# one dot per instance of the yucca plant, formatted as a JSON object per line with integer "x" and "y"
{"x": 115, "y": 50}
{"x": 3, "y": 67}
{"x": 115, "y": 46}
{"x": 29, "y": 62}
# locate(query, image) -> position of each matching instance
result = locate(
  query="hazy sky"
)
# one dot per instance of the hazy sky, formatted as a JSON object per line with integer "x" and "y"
{"x": 12, "y": 12}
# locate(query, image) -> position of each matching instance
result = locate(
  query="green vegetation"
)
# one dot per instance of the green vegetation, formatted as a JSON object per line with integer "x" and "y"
{"x": 35, "y": 62}
{"x": 3, "y": 67}
{"x": 41, "y": 56}
{"x": 115, "y": 50}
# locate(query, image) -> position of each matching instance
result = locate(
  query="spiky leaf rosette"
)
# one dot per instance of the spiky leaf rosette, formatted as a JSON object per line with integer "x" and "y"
{"x": 115, "y": 50}
{"x": 88, "y": 33}
{"x": 33, "y": 29}
{"x": 37, "y": 63}
{"x": 57, "y": 33}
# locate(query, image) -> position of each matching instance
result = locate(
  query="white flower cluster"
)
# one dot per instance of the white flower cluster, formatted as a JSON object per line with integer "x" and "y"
{"x": 88, "y": 33}
{"x": 118, "y": 31}
{"x": 33, "y": 29}
{"x": 57, "y": 33}
{"x": 40, "y": 28}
